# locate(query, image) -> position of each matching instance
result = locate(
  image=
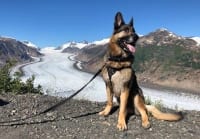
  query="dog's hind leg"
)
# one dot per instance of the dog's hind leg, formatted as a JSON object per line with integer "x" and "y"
{"x": 109, "y": 104}
{"x": 140, "y": 106}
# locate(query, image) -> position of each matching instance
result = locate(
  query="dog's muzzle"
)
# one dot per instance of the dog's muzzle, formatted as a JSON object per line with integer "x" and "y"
{"x": 129, "y": 42}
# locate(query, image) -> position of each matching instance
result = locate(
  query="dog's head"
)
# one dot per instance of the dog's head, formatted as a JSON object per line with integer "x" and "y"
{"x": 125, "y": 34}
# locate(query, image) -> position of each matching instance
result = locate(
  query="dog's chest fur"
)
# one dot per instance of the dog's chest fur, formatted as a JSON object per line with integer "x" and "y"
{"x": 119, "y": 81}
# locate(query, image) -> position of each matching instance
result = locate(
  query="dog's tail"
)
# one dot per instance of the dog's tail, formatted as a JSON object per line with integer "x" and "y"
{"x": 163, "y": 116}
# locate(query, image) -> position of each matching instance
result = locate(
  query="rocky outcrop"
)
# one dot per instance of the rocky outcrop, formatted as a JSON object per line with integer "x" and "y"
{"x": 11, "y": 49}
{"x": 92, "y": 57}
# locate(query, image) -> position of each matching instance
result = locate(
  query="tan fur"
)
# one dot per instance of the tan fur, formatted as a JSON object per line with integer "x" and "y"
{"x": 162, "y": 116}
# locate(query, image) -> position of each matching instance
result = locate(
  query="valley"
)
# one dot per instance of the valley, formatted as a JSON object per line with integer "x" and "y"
{"x": 166, "y": 65}
{"x": 58, "y": 77}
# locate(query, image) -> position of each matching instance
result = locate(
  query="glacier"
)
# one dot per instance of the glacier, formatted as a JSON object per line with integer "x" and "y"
{"x": 58, "y": 77}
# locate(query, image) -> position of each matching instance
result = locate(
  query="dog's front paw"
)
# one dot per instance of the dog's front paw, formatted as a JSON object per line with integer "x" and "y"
{"x": 104, "y": 113}
{"x": 122, "y": 125}
{"x": 146, "y": 125}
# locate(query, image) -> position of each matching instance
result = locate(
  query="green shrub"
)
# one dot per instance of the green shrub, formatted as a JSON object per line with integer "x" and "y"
{"x": 15, "y": 85}
{"x": 158, "y": 103}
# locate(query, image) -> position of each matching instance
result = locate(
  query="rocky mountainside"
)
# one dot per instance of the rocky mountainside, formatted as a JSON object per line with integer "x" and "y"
{"x": 92, "y": 57}
{"x": 161, "y": 58}
{"x": 12, "y": 49}
{"x": 163, "y": 37}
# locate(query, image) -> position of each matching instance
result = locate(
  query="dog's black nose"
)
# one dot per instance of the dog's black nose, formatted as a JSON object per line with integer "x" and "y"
{"x": 130, "y": 39}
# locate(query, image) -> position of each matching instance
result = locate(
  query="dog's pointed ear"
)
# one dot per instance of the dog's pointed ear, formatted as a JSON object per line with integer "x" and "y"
{"x": 118, "y": 20}
{"x": 131, "y": 22}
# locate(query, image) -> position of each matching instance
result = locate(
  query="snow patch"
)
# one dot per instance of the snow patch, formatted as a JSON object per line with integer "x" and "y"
{"x": 197, "y": 39}
{"x": 172, "y": 34}
{"x": 163, "y": 29}
{"x": 101, "y": 42}
{"x": 30, "y": 44}
{"x": 48, "y": 50}
{"x": 140, "y": 35}
{"x": 7, "y": 37}
{"x": 79, "y": 45}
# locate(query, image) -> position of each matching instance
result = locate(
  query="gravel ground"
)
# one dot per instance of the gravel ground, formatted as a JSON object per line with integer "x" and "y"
{"x": 80, "y": 120}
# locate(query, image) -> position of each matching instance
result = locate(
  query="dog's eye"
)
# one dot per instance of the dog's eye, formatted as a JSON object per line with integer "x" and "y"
{"x": 127, "y": 30}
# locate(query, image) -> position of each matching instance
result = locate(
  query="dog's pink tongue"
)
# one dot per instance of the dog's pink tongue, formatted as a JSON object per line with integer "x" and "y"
{"x": 131, "y": 48}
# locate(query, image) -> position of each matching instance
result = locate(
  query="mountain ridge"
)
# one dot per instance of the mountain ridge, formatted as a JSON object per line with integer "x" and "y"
{"x": 161, "y": 58}
{"x": 192, "y": 41}
{"x": 12, "y": 49}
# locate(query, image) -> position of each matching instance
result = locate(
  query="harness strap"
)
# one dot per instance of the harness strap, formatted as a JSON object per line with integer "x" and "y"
{"x": 111, "y": 71}
{"x": 120, "y": 58}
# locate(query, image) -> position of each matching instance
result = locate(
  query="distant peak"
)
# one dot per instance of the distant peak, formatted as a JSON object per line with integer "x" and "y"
{"x": 168, "y": 33}
{"x": 101, "y": 42}
{"x": 162, "y": 29}
{"x": 29, "y": 44}
{"x": 7, "y": 38}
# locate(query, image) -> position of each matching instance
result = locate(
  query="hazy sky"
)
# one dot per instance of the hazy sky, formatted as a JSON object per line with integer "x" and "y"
{"x": 54, "y": 22}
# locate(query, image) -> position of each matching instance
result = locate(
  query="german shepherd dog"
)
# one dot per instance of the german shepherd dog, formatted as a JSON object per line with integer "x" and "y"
{"x": 120, "y": 78}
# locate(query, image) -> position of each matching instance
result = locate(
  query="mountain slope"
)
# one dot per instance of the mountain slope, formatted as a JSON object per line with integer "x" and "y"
{"x": 92, "y": 55}
{"x": 30, "y": 44}
{"x": 11, "y": 49}
{"x": 162, "y": 57}
{"x": 163, "y": 37}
